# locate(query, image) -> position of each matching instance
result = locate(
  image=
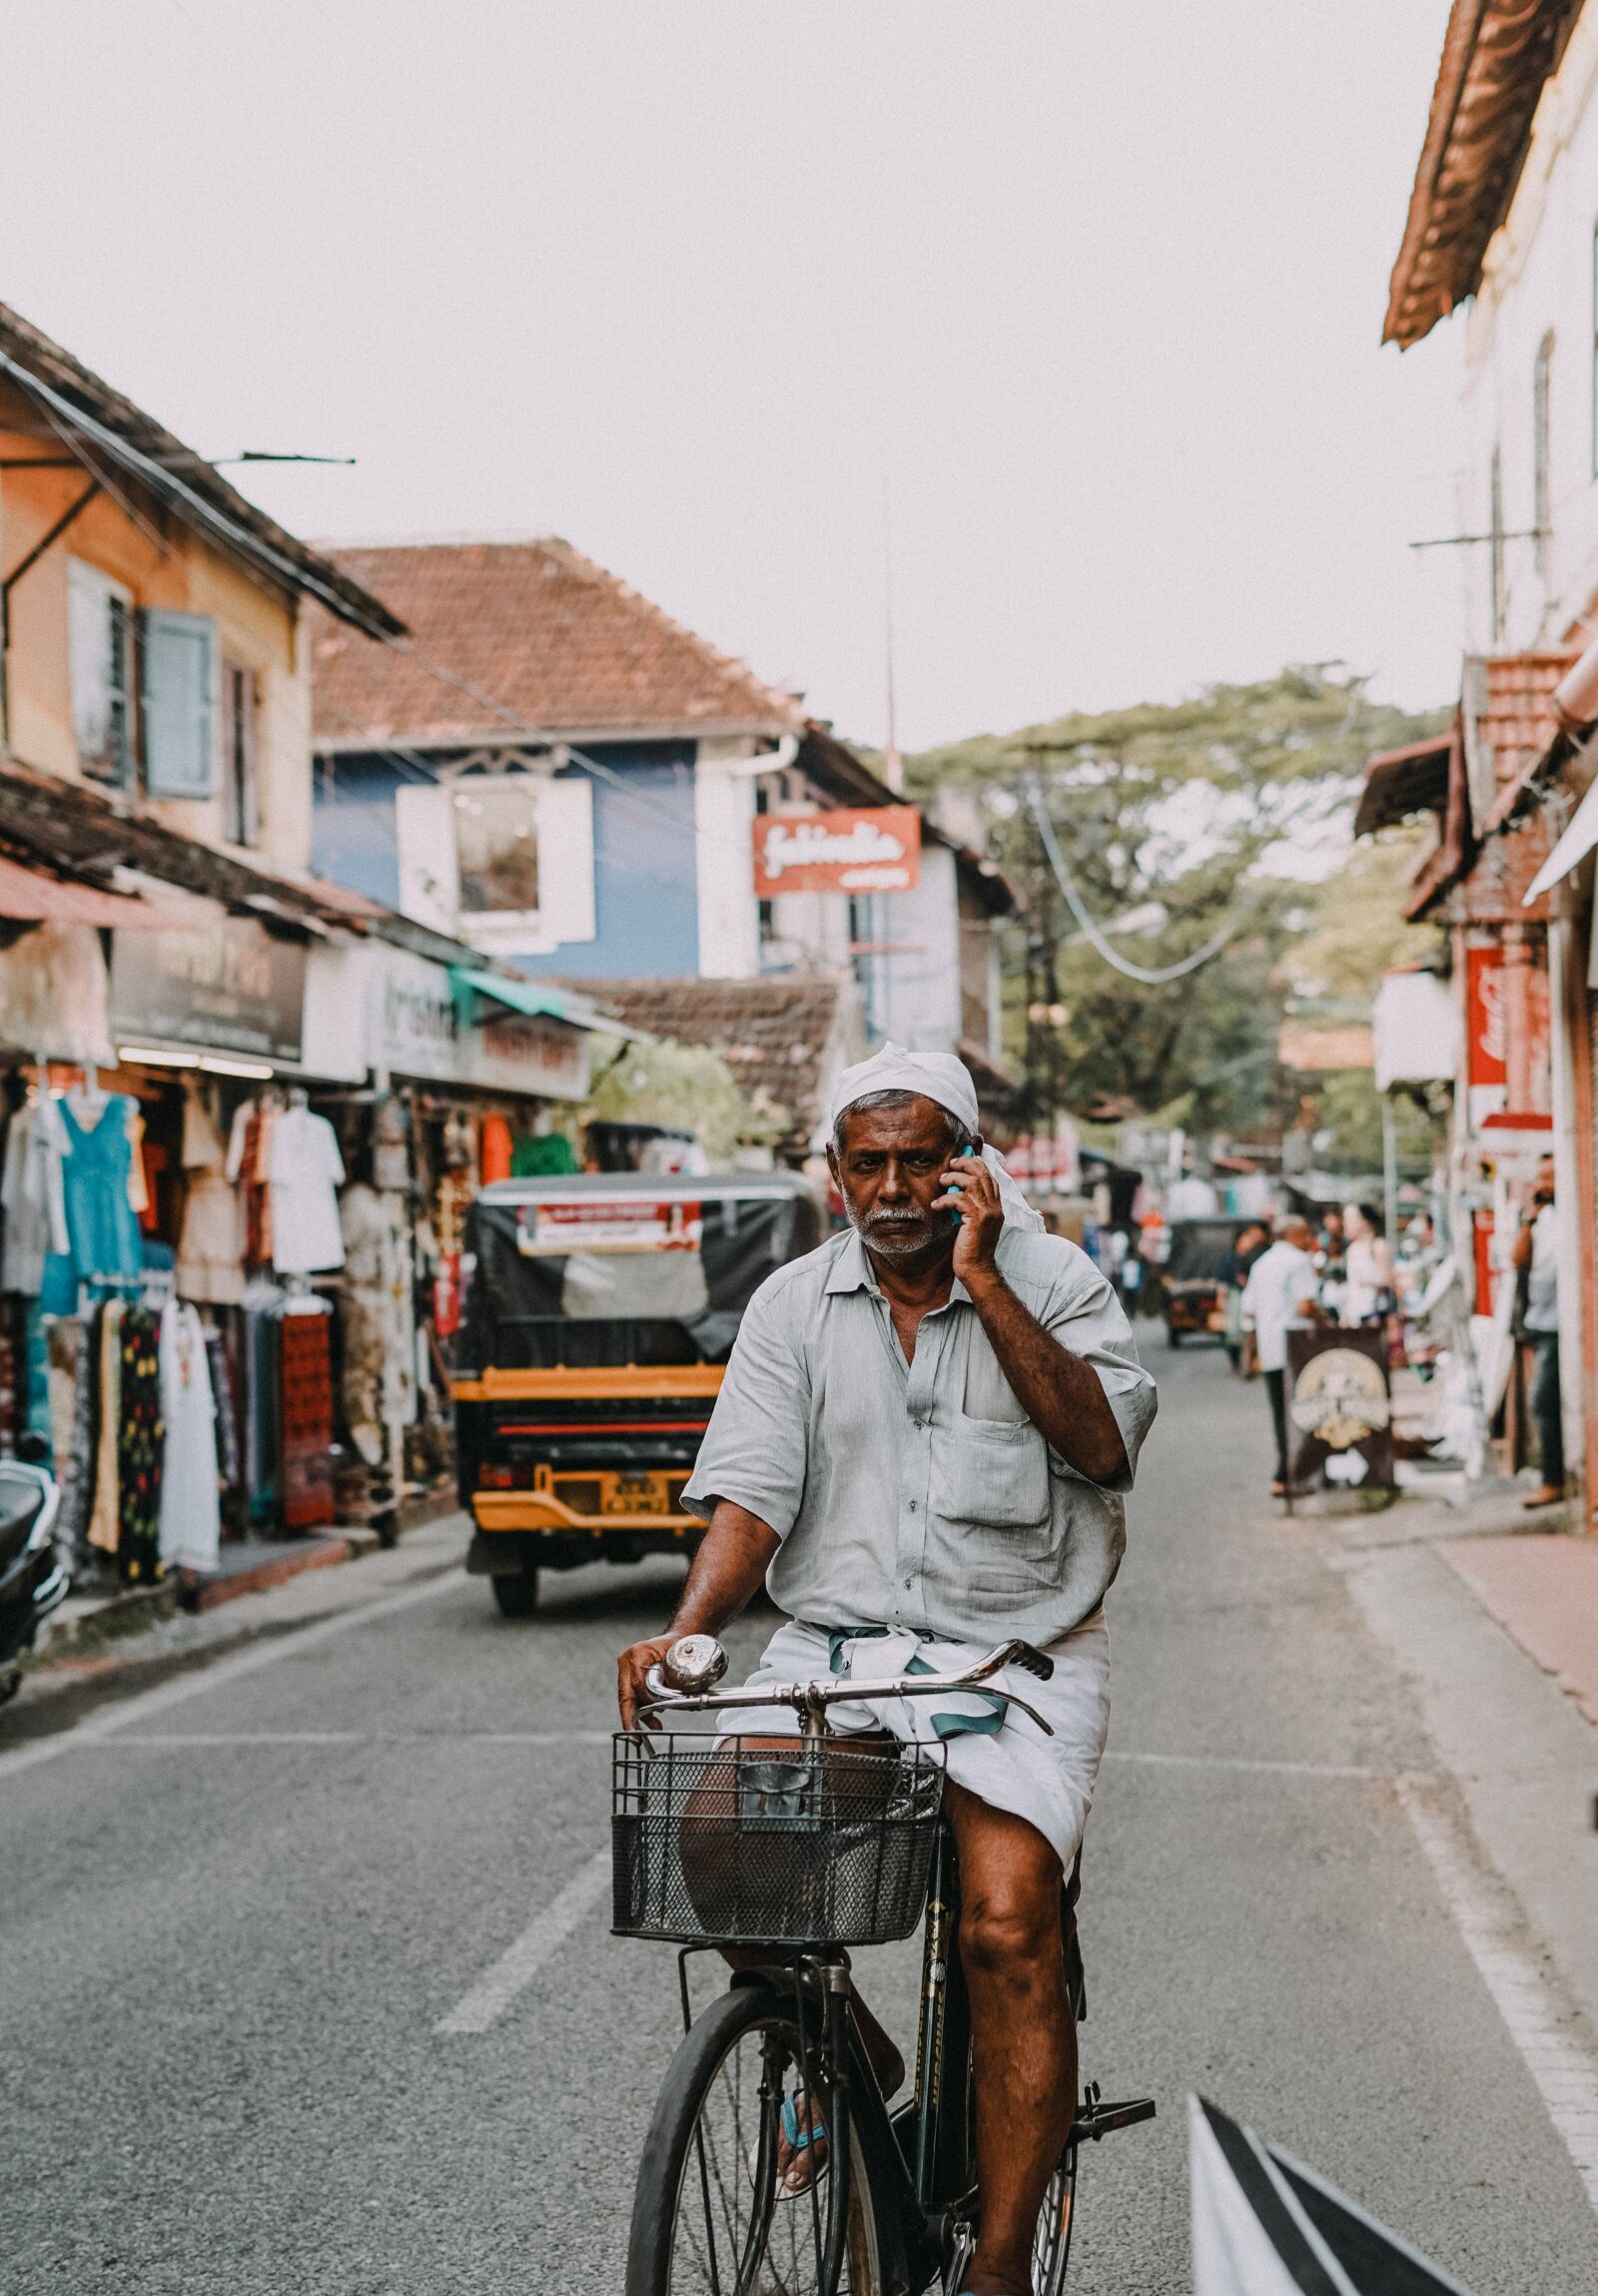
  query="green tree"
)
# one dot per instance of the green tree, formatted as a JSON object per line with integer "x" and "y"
{"x": 1215, "y": 808}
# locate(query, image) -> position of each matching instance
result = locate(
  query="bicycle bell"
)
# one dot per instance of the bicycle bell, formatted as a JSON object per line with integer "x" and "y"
{"x": 695, "y": 1663}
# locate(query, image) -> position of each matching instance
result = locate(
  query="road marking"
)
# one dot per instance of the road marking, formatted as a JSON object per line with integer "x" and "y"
{"x": 1242, "y": 1761}
{"x": 516, "y": 1968}
{"x": 144, "y": 1705}
{"x": 1563, "y": 2070}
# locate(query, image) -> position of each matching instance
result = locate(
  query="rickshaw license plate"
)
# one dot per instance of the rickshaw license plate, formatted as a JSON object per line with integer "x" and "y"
{"x": 637, "y": 1495}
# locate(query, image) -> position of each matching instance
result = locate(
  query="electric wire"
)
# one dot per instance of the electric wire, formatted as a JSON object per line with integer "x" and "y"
{"x": 1151, "y": 976}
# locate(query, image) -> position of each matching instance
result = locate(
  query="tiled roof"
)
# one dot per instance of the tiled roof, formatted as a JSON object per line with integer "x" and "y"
{"x": 62, "y": 393}
{"x": 782, "y": 1038}
{"x": 1496, "y": 57}
{"x": 549, "y": 640}
{"x": 1517, "y": 720}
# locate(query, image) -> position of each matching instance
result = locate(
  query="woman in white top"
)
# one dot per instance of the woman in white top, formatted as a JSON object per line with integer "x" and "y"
{"x": 1369, "y": 1294}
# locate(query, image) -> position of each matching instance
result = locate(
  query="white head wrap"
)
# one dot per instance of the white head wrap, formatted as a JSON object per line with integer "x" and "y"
{"x": 935, "y": 1076}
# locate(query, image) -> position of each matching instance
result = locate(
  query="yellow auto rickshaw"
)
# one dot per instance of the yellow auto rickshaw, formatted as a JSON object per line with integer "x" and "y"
{"x": 599, "y": 1313}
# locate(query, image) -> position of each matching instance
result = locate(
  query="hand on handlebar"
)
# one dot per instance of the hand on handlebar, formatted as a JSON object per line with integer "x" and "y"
{"x": 632, "y": 1693}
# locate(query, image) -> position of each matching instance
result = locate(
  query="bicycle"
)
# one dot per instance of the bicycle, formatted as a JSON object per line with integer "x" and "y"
{"x": 801, "y": 1850}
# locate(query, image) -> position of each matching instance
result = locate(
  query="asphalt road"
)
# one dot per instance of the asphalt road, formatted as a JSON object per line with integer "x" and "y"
{"x": 232, "y": 1924}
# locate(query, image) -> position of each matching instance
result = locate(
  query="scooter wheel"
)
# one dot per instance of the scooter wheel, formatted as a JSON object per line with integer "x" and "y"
{"x": 10, "y": 1683}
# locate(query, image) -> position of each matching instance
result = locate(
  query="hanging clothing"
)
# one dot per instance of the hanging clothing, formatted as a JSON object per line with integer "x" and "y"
{"x": 140, "y": 1436}
{"x": 494, "y": 1150}
{"x": 189, "y": 1512}
{"x": 538, "y": 1153}
{"x": 74, "y": 1344}
{"x": 102, "y": 1232}
{"x": 306, "y": 1170}
{"x": 229, "y": 1463}
{"x": 103, "y": 1518}
{"x": 378, "y": 1384}
{"x": 306, "y": 1355}
{"x": 249, "y": 1146}
{"x": 33, "y": 1197}
{"x": 210, "y": 1250}
{"x": 258, "y": 1381}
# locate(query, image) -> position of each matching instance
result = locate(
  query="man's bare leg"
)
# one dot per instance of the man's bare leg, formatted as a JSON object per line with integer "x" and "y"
{"x": 1024, "y": 2032}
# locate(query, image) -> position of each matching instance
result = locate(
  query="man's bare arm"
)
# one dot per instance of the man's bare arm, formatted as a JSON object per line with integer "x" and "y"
{"x": 726, "y": 1573}
{"x": 1059, "y": 1392}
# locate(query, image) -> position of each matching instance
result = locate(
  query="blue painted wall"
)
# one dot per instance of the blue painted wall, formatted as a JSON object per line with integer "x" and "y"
{"x": 646, "y": 894}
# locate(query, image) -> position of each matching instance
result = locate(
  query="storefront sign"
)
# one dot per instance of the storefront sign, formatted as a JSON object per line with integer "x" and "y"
{"x": 1339, "y": 1410}
{"x": 384, "y": 1010}
{"x": 224, "y": 983}
{"x": 610, "y": 1223}
{"x": 871, "y": 850}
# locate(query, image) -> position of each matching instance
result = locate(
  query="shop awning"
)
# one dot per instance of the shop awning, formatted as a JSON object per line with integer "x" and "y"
{"x": 535, "y": 1000}
{"x": 27, "y": 896}
{"x": 1404, "y": 781}
{"x": 1581, "y": 835}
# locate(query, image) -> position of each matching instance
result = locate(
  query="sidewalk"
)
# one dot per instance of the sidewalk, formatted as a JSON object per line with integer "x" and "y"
{"x": 100, "y": 1614}
{"x": 1497, "y": 1628}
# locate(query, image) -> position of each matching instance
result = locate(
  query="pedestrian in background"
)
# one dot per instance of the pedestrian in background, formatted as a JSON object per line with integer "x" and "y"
{"x": 1370, "y": 1294}
{"x": 1249, "y": 1243}
{"x": 1536, "y": 1255}
{"x": 1279, "y": 1296}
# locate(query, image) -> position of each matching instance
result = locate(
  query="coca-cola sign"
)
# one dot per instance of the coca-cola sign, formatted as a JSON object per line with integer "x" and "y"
{"x": 846, "y": 850}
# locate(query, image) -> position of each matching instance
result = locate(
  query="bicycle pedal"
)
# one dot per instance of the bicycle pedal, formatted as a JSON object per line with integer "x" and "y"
{"x": 1097, "y": 2120}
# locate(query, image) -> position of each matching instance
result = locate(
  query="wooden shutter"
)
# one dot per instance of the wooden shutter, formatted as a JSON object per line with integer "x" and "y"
{"x": 179, "y": 667}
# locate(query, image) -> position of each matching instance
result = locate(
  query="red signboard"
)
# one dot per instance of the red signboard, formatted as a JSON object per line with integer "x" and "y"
{"x": 1485, "y": 1013}
{"x": 875, "y": 849}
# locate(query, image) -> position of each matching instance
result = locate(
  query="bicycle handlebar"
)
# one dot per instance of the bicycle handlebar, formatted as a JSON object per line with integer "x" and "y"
{"x": 810, "y": 1698}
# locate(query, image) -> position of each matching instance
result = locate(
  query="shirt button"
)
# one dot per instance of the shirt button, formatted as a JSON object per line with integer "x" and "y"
{"x": 908, "y": 1583}
{"x": 912, "y": 1506}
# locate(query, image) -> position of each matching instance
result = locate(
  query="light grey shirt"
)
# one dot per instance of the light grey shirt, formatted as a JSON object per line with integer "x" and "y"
{"x": 921, "y": 1495}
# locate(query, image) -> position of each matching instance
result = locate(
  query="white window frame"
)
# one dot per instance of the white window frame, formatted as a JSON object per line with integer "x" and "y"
{"x": 430, "y": 869}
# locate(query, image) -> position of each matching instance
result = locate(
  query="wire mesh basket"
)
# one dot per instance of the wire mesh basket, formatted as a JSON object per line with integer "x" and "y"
{"x": 737, "y": 1842}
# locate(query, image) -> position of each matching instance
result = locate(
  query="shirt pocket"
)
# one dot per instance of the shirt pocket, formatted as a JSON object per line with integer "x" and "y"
{"x": 991, "y": 1472}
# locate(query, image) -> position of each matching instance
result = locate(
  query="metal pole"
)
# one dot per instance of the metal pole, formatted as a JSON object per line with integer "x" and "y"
{"x": 1389, "y": 1171}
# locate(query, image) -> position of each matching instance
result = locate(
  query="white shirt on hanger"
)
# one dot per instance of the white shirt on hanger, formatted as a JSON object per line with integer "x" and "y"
{"x": 305, "y": 1170}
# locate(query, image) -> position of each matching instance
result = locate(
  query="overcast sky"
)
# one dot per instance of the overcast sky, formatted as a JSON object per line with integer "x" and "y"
{"x": 1092, "y": 292}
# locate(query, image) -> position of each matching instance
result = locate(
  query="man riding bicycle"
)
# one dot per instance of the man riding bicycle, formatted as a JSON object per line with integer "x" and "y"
{"x": 922, "y": 1443}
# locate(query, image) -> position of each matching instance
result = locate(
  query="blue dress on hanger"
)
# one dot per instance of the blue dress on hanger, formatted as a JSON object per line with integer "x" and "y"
{"x": 102, "y": 1233}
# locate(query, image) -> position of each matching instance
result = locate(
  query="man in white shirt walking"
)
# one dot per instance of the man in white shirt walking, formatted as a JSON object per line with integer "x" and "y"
{"x": 1537, "y": 1251}
{"x": 1279, "y": 1298}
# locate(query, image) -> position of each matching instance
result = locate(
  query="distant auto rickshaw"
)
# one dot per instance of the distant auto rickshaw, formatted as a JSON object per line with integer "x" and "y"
{"x": 1192, "y": 1275}
{"x": 599, "y": 1315}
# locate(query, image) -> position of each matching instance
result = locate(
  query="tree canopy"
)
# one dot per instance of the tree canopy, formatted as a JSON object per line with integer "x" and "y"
{"x": 1224, "y": 810}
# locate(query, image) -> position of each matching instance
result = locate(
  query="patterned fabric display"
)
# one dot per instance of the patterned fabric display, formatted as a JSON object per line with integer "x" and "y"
{"x": 139, "y": 1443}
{"x": 307, "y": 1422}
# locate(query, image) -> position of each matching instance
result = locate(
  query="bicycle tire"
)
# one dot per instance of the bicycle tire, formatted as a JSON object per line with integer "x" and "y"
{"x": 1050, "y": 2242}
{"x": 689, "y": 2191}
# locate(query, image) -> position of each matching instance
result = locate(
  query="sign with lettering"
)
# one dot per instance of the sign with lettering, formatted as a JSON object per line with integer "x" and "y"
{"x": 872, "y": 849}
{"x": 223, "y": 984}
{"x": 610, "y": 1223}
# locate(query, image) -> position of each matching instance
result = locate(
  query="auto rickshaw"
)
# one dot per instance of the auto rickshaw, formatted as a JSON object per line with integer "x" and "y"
{"x": 599, "y": 1313}
{"x": 1191, "y": 1278}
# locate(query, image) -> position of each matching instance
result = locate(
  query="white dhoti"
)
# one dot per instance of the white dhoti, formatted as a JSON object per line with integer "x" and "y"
{"x": 991, "y": 1748}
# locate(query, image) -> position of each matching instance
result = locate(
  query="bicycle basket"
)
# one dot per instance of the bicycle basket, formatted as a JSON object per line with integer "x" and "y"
{"x": 740, "y": 1843}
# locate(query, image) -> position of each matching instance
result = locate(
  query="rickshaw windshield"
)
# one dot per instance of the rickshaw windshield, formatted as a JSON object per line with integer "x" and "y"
{"x": 585, "y": 1274}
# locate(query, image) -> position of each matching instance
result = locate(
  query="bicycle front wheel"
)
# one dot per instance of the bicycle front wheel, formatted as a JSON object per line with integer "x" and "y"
{"x": 715, "y": 2214}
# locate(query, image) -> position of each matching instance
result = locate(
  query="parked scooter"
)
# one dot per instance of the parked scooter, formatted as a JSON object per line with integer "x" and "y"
{"x": 33, "y": 1576}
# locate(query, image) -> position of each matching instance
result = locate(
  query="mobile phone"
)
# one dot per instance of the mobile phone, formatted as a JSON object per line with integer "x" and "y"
{"x": 958, "y": 1183}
